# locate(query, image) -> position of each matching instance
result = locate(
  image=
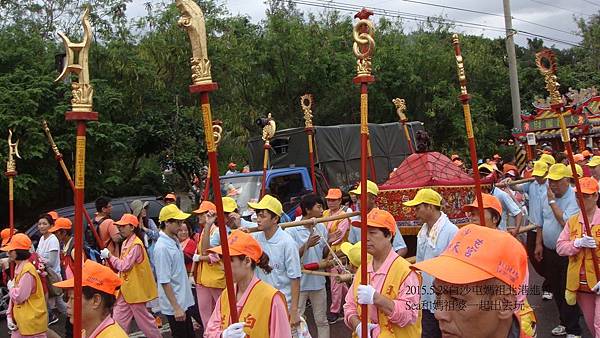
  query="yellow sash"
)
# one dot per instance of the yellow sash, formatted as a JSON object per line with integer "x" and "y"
{"x": 31, "y": 316}
{"x": 138, "y": 285}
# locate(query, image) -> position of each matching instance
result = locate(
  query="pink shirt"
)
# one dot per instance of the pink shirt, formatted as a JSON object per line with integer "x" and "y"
{"x": 133, "y": 257}
{"x": 278, "y": 327}
{"x": 565, "y": 246}
{"x": 401, "y": 315}
{"x": 19, "y": 294}
{"x": 342, "y": 227}
{"x": 108, "y": 321}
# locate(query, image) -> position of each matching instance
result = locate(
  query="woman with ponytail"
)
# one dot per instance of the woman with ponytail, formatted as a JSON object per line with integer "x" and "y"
{"x": 253, "y": 296}
{"x": 139, "y": 286}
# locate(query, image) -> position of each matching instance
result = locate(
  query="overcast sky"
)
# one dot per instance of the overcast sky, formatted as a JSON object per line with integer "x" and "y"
{"x": 558, "y": 14}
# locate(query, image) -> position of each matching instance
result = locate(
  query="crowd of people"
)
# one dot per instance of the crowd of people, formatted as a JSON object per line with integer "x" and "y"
{"x": 467, "y": 281}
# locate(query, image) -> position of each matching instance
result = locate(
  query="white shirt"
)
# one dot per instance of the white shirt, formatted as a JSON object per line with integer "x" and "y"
{"x": 45, "y": 247}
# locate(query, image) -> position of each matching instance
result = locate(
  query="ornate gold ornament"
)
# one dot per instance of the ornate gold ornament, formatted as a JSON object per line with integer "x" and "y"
{"x": 364, "y": 44}
{"x": 192, "y": 20}
{"x": 13, "y": 150}
{"x": 269, "y": 129}
{"x": 546, "y": 63}
{"x": 306, "y": 102}
{"x": 400, "y": 108}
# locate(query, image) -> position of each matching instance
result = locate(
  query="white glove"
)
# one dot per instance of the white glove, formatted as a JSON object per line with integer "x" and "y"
{"x": 10, "y": 284}
{"x": 358, "y": 329}
{"x": 596, "y": 288}
{"x": 365, "y": 294}
{"x": 234, "y": 331}
{"x": 11, "y": 325}
{"x": 585, "y": 242}
{"x": 104, "y": 254}
{"x": 196, "y": 258}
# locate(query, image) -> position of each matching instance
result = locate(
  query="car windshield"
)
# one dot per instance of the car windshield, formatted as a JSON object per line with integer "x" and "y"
{"x": 243, "y": 189}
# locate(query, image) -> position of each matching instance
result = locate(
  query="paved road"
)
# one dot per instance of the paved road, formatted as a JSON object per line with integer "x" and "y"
{"x": 545, "y": 311}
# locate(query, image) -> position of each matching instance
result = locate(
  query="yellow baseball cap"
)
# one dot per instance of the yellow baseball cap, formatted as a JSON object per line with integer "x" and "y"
{"x": 371, "y": 189}
{"x": 171, "y": 211}
{"x": 578, "y": 169}
{"x": 426, "y": 195}
{"x": 229, "y": 204}
{"x": 540, "y": 168}
{"x": 486, "y": 166}
{"x": 352, "y": 251}
{"x": 558, "y": 172}
{"x": 268, "y": 202}
{"x": 548, "y": 159}
{"x": 594, "y": 162}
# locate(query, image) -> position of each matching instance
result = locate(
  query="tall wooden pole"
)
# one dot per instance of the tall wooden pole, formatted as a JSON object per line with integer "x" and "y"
{"x": 546, "y": 63}
{"x": 192, "y": 20}
{"x": 306, "y": 102}
{"x": 267, "y": 134}
{"x": 464, "y": 99}
{"x": 363, "y": 48}
{"x": 81, "y": 112}
{"x": 11, "y": 173}
{"x": 512, "y": 66}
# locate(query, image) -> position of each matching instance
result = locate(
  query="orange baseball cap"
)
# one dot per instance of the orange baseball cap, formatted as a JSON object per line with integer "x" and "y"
{"x": 479, "y": 253}
{"x": 96, "y": 276}
{"x": 127, "y": 219}
{"x": 205, "y": 206}
{"x": 578, "y": 157}
{"x": 171, "y": 197}
{"x": 586, "y": 153}
{"x": 333, "y": 194}
{"x": 53, "y": 214}
{"x": 241, "y": 243}
{"x": 5, "y": 235}
{"x": 61, "y": 223}
{"x": 588, "y": 185}
{"x": 231, "y": 165}
{"x": 379, "y": 219}
{"x": 489, "y": 202}
{"x": 18, "y": 242}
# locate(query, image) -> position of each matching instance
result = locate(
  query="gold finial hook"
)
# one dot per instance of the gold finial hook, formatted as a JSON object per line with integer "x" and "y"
{"x": 364, "y": 44}
{"x": 400, "y": 108}
{"x": 192, "y": 20}
{"x": 306, "y": 102}
{"x": 269, "y": 129}
{"x": 13, "y": 150}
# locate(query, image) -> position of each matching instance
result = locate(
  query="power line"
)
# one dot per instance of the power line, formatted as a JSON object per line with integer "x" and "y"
{"x": 421, "y": 18}
{"x": 591, "y": 2}
{"x": 558, "y": 7}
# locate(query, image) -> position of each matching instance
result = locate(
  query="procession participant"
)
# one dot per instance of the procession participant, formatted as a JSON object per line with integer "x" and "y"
{"x": 536, "y": 192}
{"x": 337, "y": 234}
{"x": 558, "y": 206}
{"x": 233, "y": 220}
{"x": 352, "y": 251}
{"x": 209, "y": 274}
{"x": 231, "y": 169}
{"x": 99, "y": 286}
{"x": 27, "y": 314}
{"x": 170, "y": 198}
{"x": 174, "y": 293}
{"x": 594, "y": 165}
{"x": 476, "y": 280}
{"x": 62, "y": 230}
{"x": 433, "y": 238}
{"x": 107, "y": 231}
{"x": 48, "y": 249}
{"x": 393, "y": 304}
{"x": 582, "y": 286}
{"x": 398, "y": 244}
{"x": 283, "y": 254}
{"x": 310, "y": 240}
{"x": 138, "y": 285}
{"x": 548, "y": 159}
{"x": 188, "y": 246}
{"x": 509, "y": 206}
{"x": 528, "y": 170}
{"x": 253, "y": 296}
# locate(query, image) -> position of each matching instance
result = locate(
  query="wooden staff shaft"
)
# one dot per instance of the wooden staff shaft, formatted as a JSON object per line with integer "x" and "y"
{"x": 339, "y": 277}
{"x": 313, "y": 178}
{"x": 11, "y": 212}
{"x": 265, "y": 166}
{"x": 206, "y": 185}
{"x": 78, "y": 231}
{"x": 408, "y": 140}
{"x": 310, "y": 221}
{"x": 517, "y": 182}
{"x": 364, "y": 140}
{"x": 371, "y": 161}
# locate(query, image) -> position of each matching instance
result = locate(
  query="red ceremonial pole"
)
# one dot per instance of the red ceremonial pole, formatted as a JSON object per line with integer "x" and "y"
{"x": 11, "y": 173}
{"x": 363, "y": 48}
{"x": 192, "y": 20}
{"x": 464, "y": 99}
{"x": 306, "y": 102}
{"x": 267, "y": 133}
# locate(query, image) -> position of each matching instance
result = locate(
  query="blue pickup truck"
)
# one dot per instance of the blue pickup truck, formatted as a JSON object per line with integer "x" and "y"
{"x": 285, "y": 183}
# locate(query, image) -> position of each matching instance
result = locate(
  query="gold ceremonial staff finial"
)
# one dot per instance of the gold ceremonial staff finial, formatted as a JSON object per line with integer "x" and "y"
{"x": 306, "y": 102}
{"x": 364, "y": 44}
{"x": 269, "y": 129}
{"x": 13, "y": 150}
{"x": 546, "y": 63}
{"x": 460, "y": 65}
{"x": 400, "y": 108}
{"x": 217, "y": 131}
{"x": 192, "y": 19}
{"x": 82, "y": 89}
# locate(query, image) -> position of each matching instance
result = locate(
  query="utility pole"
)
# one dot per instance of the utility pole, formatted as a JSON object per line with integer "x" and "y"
{"x": 512, "y": 66}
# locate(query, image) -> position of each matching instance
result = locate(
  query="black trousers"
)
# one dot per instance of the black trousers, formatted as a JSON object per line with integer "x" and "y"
{"x": 556, "y": 273}
{"x": 430, "y": 326}
{"x": 537, "y": 266}
{"x": 183, "y": 329}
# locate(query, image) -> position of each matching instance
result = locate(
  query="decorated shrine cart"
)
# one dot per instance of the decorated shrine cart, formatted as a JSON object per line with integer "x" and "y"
{"x": 426, "y": 170}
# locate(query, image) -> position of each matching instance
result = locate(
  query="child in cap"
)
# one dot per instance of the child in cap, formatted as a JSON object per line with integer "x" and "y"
{"x": 481, "y": 268}
{"x": 99, "y": 287}
{"x": 392, "y": 311}
{"x": 582, "y": 286}
{"x": 138, "y": 285}
{"x": 27, "y": 315}
{"x": 262, "y": 309}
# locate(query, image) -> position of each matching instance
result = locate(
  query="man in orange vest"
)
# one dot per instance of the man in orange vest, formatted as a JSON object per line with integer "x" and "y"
{"x": 476, "y": 281}
{"x": 392, "y": 293}
{"x": 100, "y": 284}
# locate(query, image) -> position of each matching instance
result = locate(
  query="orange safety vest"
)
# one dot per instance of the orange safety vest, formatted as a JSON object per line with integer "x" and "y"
{"x": 580, "y": 273}
{"x": 254, "y": 311}
{"x": 138, "y": 285}
{"x": 395, "y": 276}
{"x": 333, "y": 226}
{"x": 112, "y": 331}
{"x": 207, "y": 274}
{"x": 31, "y": 316}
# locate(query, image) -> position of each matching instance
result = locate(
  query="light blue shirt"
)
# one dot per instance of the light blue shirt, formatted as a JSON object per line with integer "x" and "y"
{"x": 283, "y": 258}
{"x": 537, "y": 194}
{"x": 215, "y": 237}
{"x": 551, "y": 228}
{"x": 170, "y": 268}
{"x": 427, "y": 250}
{"x": 311, "y": 255}
{"x": 397, "y": 244}
{"x": 509, "y": 207}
